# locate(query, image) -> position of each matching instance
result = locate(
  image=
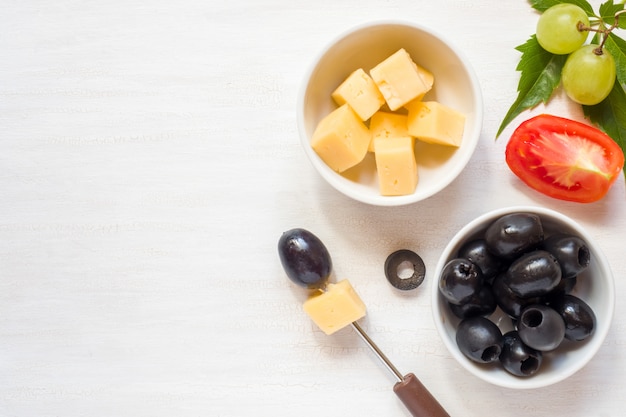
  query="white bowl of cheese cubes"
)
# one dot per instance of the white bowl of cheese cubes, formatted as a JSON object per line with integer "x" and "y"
{"x": 390, "y": 113}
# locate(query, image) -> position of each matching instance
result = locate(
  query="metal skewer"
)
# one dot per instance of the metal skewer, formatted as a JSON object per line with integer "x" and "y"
{"x": 379, "y": 353}
{"x": 413, "y": 394}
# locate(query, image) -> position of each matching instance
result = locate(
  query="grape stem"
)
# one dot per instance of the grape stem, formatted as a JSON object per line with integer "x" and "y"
{"x": 605, "y": 32}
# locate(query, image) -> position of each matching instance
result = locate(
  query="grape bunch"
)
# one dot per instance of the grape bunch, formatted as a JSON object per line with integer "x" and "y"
{"x": 589, "y": 72}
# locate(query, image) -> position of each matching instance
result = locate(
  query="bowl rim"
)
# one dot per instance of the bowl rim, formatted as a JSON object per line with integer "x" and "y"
{"x": 332, "y": 177}
{"x": 592, "y": 346}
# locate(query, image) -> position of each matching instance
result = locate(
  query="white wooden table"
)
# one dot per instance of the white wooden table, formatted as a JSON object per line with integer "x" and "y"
{"x": 149, "y": 161}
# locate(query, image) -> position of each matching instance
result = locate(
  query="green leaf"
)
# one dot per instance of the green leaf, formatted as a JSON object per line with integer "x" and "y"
{"x": 540, "y": 75}
{"x": 617, "y": 47}
{"x": 607, "y": 13}
{"x": 610, "y": 115}
{"x": 543, "y": 5}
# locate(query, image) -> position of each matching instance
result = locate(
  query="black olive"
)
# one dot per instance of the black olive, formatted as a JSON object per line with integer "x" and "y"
{"x": 483, "y": 303}
{"x": 507, "y": 300}
{"x": 571, "y": 251}
{"x": 479, "y": 339}
{"x": 394, "y": 263}
{"x": 566, "y": 285}
{"x": 513, "y": 234}
{"x": 533, "y": 274}
{"x": 460, "y": 279}
{"x": 518, "y": 358}
{"x": 477, "y": 252}
{"x": 579, "y": 318}
{"x": 304, "y": 258}
{"x": 541, "y": 327}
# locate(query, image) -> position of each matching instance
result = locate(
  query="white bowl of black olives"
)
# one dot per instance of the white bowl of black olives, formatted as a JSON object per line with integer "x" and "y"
{"x": 523, "y": 297}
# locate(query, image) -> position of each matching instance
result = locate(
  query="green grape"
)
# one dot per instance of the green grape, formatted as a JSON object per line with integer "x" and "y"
{"x": 557, "y": 28}
{"x": 587, "y": 77}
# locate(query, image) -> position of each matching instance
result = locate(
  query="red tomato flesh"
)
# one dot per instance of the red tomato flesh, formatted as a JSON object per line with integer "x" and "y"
{"x": 564, "y": 159}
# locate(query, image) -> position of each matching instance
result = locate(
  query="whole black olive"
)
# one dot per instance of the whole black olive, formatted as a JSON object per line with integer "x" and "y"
{"x": 479, "y": 339}
{"x": 477, "y": 252}
{"x": 460, "y": 279}
{"x": 304, "y": 258}
{"x": 483, "y": 303}
{"x": 566, "y": 285}
{"x": 513, "y": 234}
{"x": 518, "y": 358}
{"x": 541, "y": 327}
{"x": 507, "y": 300}
{"x": 579, "y": 318}
{"x": 571, "y": 251}
{"x": 533, "y": 274}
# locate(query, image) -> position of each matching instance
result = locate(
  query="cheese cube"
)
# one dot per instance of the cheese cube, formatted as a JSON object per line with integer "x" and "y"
{"x": 335, "y": 308}
{"x": 428, "y": 78}
{"x": 434, "y": 122}
{"x": 398, "y": 79}
{"x": 360, "y": 92}
{"x": 396, "y": 165}
{"x": 387, "y": 125}
{"x": 341, "y": 139}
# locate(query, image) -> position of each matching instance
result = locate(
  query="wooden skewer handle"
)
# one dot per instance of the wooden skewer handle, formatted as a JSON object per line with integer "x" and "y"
{"x": 417, "y": 399}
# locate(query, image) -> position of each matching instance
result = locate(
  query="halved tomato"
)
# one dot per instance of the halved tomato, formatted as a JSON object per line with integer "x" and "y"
{"x": 564, "y": 159}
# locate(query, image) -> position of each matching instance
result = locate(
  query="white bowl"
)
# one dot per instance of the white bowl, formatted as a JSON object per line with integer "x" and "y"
{"x": 456, "y": 86}
{"x": 595, "y": 286}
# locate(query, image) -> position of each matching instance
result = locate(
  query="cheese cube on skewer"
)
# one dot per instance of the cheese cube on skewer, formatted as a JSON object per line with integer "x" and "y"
{"x": 335, "y": 308}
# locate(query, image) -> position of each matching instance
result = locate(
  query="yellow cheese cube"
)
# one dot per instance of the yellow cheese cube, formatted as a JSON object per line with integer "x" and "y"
{"x": 360, "y": 92}
{"x": 341, "y": 139}
{"x": 396, "y": 165}
{"x": 335, "y": 308}
{"x": 428, "y": 78}
{"x": 398, "y": 79}
{"x": 387, "y": 125}
{"x": 433, "y": 122}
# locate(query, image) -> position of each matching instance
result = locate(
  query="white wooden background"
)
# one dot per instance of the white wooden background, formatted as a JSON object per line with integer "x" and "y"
{"x": 149, "y": 161}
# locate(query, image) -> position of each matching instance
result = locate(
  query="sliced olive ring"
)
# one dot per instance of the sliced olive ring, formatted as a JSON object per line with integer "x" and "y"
{"x": 392, "y": 269}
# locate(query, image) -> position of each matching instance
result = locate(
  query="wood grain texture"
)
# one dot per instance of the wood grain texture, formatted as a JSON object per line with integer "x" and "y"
{"x": 149, "y": 161}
